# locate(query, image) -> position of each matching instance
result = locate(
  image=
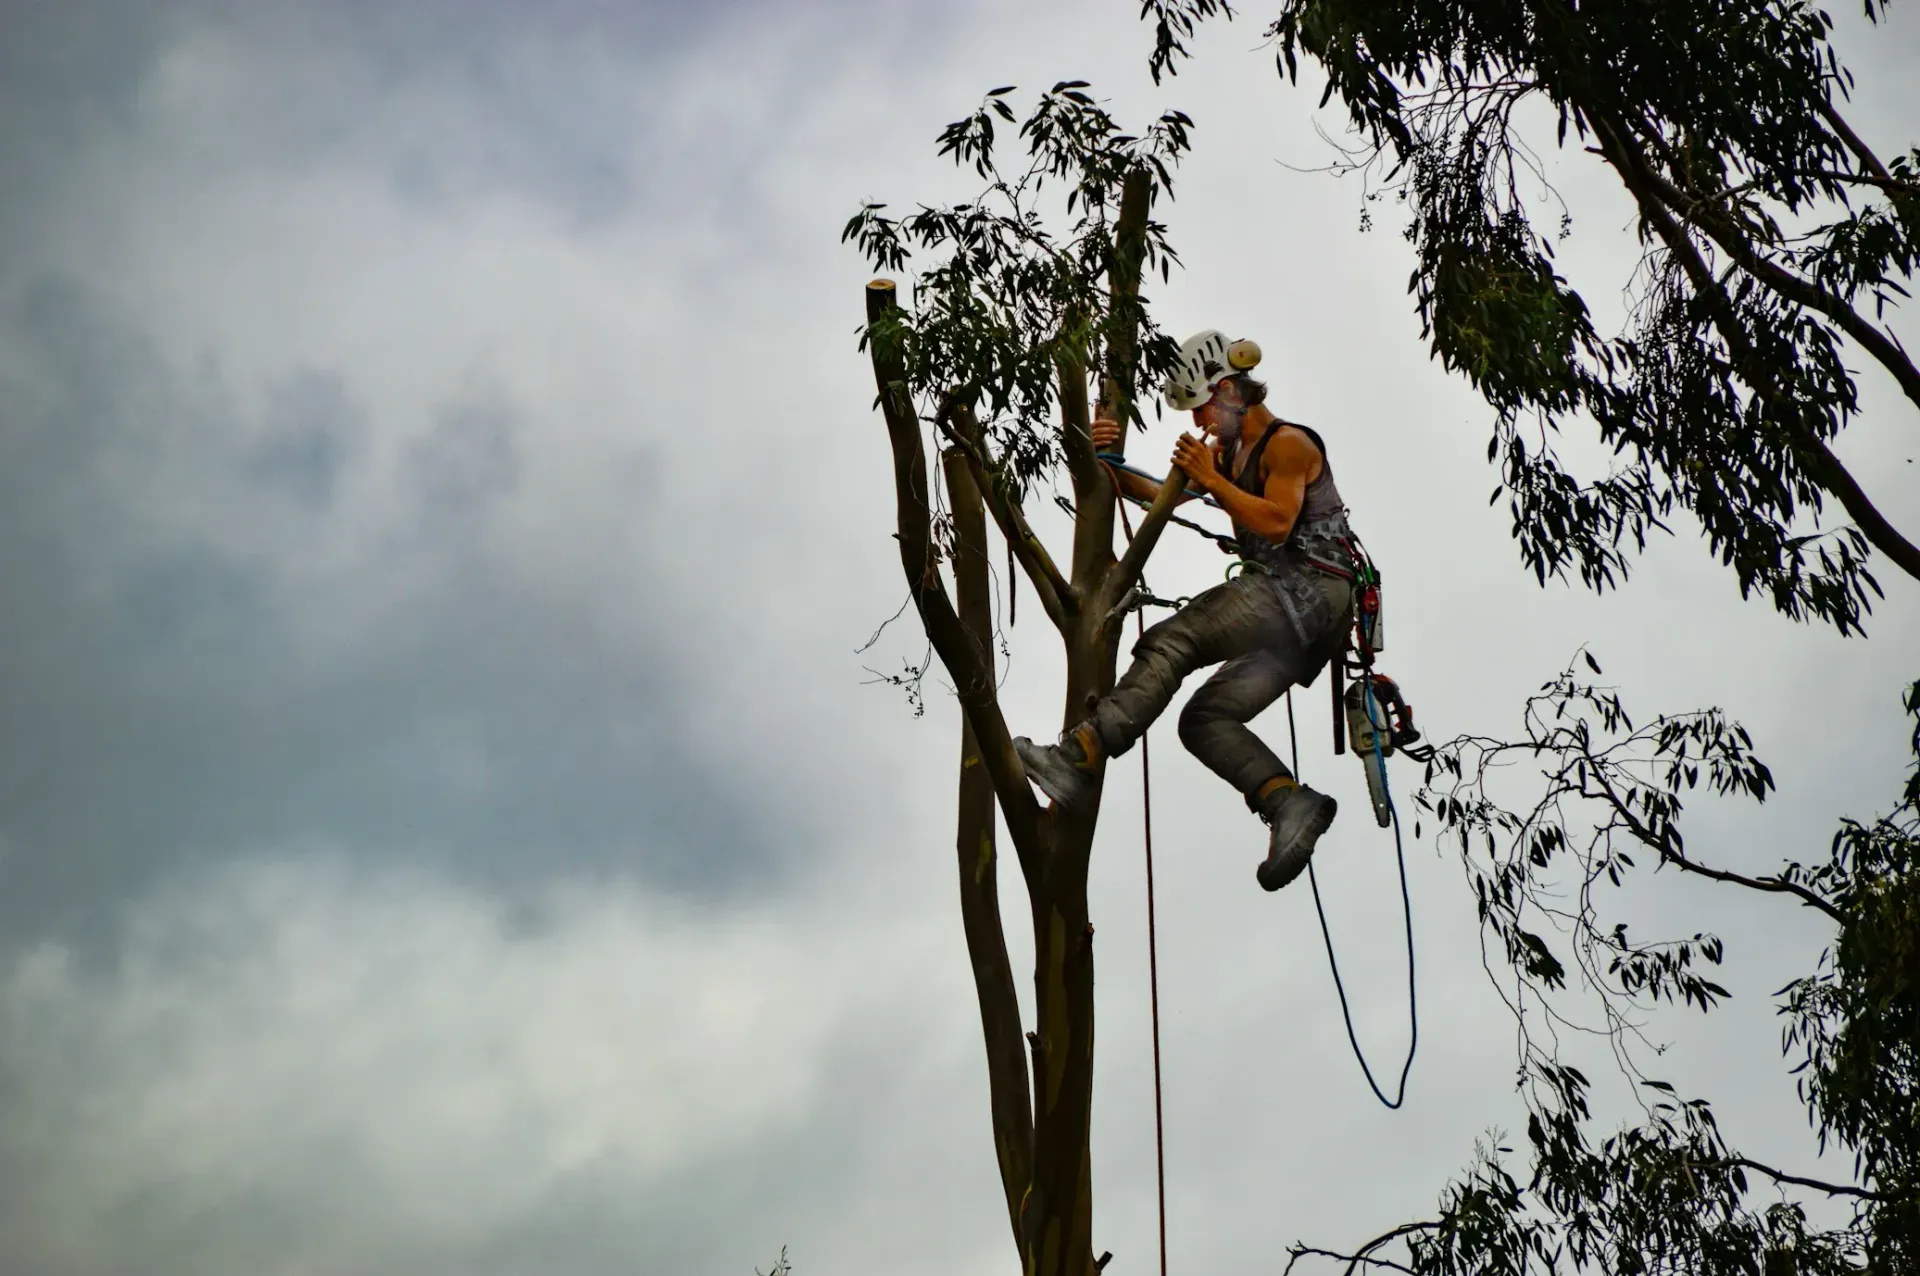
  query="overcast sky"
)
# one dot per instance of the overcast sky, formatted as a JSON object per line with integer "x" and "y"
{"x": 445, "y": 826}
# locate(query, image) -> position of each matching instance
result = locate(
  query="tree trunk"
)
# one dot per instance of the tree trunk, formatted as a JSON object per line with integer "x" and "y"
{"x": 1060, "y": 1214}
{"x": 1009, "y": 1103}
{"x": 1041, "y": 1143}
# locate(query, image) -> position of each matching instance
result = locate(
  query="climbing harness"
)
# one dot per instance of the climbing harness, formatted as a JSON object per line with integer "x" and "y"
{"x": 1371, "y": 711}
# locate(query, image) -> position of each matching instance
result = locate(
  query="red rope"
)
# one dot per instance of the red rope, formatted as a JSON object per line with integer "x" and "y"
{"x": 1153, "y": 986}
{"x": 1153, "y": 954}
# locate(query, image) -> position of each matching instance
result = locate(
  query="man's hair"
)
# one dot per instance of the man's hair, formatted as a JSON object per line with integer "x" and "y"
{"x": 1250, "y": 391}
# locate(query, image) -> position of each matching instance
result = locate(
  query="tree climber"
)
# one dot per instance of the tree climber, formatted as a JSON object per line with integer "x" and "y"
{"x": 1273, "y": 626}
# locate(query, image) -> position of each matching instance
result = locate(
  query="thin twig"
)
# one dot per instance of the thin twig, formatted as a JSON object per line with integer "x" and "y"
{"x": 1363, "y": 1255}
{"x": 1831, "y": 1189}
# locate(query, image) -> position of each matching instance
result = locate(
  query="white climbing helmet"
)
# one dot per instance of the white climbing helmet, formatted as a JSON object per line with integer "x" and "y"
{"x": 1206, "y": 359}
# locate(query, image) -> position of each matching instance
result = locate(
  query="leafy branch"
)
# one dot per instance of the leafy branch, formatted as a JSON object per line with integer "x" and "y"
{"x": 1668, "y": 1193}
{"x": 1013, "y": 299}
{"x": 1776, "y": 240}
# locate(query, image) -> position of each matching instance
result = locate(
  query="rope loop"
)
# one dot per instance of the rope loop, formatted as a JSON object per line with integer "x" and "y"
{"x": 1406, "y": 905}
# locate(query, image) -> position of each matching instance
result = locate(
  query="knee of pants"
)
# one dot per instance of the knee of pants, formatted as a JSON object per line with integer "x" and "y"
{"x": 1216, "y": 702}
{"x": 1196, "y": 717}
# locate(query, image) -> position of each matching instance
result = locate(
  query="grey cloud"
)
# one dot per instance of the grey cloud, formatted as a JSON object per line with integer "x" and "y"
{"x": 463, "y": 464}
{"x": 288, "y": 1066}
{"x": 173, "y": 685}
{"x": 312, "y": 430}
{"x": 568, "y": 103}
{"x": 160, "y": 706}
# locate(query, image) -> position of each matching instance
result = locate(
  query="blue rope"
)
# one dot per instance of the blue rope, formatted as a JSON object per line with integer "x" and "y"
{"x": 1119, "y": 462}
{"x": 1406, "y": 904}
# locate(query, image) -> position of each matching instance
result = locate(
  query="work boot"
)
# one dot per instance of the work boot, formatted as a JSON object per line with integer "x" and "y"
{"x": 1297, "y": 816}
{"x": 1065, "y": 771}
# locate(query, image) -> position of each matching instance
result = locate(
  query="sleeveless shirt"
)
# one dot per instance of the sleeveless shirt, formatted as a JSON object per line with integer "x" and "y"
{"x": 1320, "y": 532}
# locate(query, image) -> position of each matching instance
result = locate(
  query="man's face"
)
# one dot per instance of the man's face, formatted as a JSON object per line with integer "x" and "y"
{"x": 1219, "y": 417}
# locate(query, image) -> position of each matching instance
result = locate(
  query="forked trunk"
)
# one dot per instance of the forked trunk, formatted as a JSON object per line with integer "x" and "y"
{"x": 1041, "y": 1132}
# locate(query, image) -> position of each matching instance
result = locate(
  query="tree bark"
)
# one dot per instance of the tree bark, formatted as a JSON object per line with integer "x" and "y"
{"x": 1060, "y": 1212}
{"x": 964, "y": 660}
{"x": 1092, "y": 485}
{"x": 1123, "y": 283}
{"x": 1056, "y": 596}
{"x": 1127, "y": 574}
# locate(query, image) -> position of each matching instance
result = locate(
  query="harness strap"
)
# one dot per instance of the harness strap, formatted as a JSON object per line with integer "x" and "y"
{"x": 1253, "y": 457}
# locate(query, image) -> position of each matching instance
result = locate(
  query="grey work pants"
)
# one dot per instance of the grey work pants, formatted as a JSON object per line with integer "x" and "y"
{"x": 1268, "y": 643}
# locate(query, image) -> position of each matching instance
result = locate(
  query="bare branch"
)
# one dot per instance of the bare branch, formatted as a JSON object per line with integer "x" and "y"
{"x": 1057, "y": 597}
{"x": 1831, "y": 1189}
{"x": 1852, "y": 139}
{"x": 1127, "y": 574}
{"x": 1644, "y": 185}
{"x": 1076, "y": 440}
{"x": 972, "y": 677}
{"x": 1010, "y": 1101}
{"x": 1883, "y": 535}
{"x": 1890, "y": 184}
{"x": 1364, "y": 1256}
{"x": 1118, "y": 397}
{"x": 1354, "y": 1262}
{"x": 1598, "y": 786}
{"x": 1092, "y": 484}
{"x": 1805, "y": 292}
{"x": 1772, "y": 885}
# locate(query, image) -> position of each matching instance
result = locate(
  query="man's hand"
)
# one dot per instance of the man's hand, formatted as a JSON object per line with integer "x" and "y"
{"x": 1105, "y": 434}
{"x": 1195, "y": 458}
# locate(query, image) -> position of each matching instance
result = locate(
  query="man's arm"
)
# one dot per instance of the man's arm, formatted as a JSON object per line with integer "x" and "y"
{"x": 1141, "y": 488}
{"x": 1290, "y": 461}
